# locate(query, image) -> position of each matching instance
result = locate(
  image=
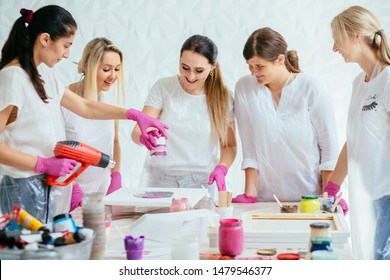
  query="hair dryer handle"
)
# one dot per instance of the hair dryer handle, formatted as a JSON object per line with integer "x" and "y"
{"x": 51, "y": 180}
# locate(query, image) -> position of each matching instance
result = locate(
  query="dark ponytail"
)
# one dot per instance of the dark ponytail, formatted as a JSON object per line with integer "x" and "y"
{"x": 52, "y": 19}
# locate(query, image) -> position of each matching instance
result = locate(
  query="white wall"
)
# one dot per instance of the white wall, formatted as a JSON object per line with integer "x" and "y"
{"x": 151, "y": 32}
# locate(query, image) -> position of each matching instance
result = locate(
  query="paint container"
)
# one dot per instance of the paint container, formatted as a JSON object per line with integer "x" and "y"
{"x": 289, "y": 208}
{"x": 231, "y": 237}
{"x": 26, "y": 220}
{"x": 93, "y": 218}
{"x": 317, "y": 230}
{"x": 70, "y": 238}
{"x": 309, "y": 204}
{"x": 64, "y": 222}
{"x": 179, "y": 204}
{"x": 288, "y": 256}
{"x": 134, "y": 247}
{"x": 161, "y": 147}
{"x": 185, "y": 247}
{"x": 224, "y": 212}
{"x": 325, "y": 255}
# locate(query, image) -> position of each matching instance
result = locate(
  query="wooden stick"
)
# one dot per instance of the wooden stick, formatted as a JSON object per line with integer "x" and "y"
{"x": 337, "y": 201}
{"x": 289, "y": 216}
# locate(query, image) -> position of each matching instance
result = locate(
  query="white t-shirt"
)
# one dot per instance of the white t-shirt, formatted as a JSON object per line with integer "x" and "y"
{"x": 38, "y": 126}
{"x": 190, "y": 145}
{"x": 98, "y": 134}
{"x": 289, "y": 146}
{"x": 368, "y": 135}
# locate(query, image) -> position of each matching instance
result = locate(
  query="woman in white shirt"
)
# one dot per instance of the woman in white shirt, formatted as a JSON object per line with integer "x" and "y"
{"x": 101, "y": 67}
{"x": 198, "y": 108}
{"x": 30, "y": 112}
{"x": 286, "y": 123}
{"x": 359, "y": 38}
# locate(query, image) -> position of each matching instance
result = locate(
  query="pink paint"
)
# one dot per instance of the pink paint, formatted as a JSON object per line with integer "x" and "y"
{"x": 180, "y": 204}
{"x": 231, "y": 237}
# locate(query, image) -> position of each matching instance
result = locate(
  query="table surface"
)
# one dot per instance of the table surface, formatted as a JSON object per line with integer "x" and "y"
{"x": 124, "y": 216}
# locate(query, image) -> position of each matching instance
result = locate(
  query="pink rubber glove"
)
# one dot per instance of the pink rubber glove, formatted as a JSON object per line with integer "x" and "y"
{"x": 116, "y": 182}
{"x": 55, "y": 166}
{"x": 77, "y": 197}
{"x": 332, "y": 189}
{"x": 218, "y": 175}
{"x": 243, "y": 198}
{"x": 145, "y": 121}
{"x": 149, "y": 142}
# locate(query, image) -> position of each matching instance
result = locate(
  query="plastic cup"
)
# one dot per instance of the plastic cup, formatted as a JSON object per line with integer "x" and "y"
{"x": 224, "y": 212}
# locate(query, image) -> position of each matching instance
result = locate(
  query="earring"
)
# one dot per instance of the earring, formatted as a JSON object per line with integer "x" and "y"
{"x": 211, "y": 73}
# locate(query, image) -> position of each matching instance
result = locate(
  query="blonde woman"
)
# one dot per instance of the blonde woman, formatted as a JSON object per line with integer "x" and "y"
{"x": 198, "y": 108}
{"x": 359, "y": 38}
{"x": 101, "y": 66}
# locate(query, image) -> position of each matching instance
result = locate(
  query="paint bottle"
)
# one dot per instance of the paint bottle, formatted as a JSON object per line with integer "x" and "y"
{"x": 317, "y": 230}
{"x": 70, "y": 238}
{"x": 179, "y": 204}
{"x": 64, "y": 222}
{"x": 309, "y": 204}
{"x": 231, "y": 237}
{"x": 26, "y": 220}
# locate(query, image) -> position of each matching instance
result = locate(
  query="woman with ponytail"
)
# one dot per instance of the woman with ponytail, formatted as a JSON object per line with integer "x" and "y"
{"x": 359, "y": 38}
{"x": 30, "y": 113}
{"x": 286, "y": 120}
{"x": 198, "y": 108}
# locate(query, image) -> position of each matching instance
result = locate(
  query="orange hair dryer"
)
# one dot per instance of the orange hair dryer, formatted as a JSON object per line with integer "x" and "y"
{"x": 82, "y": 153}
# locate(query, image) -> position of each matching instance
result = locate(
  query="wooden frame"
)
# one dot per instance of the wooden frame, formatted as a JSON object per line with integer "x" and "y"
{"x": 290, "y": 230}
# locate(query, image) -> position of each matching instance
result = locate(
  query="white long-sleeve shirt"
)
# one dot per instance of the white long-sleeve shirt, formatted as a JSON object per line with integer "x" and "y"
{"x": 288, "y": 146}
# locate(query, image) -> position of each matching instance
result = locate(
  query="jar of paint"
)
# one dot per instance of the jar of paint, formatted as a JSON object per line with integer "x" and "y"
{"x": 231, "y": 236}
{"x": 309, "y": 204}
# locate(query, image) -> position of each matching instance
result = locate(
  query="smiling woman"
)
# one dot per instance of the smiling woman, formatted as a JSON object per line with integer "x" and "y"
{"x": 30, "y": 113}
{"x": 197, "y": 106}
{"x": 101, "y": 67}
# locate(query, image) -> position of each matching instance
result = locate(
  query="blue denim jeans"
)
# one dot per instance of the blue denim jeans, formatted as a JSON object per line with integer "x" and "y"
{"x": 32, "y": 194}
{"x": 382, "y": 231}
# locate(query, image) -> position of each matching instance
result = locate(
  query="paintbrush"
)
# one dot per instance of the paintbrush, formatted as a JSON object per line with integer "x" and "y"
{"x": 337, "y": 201}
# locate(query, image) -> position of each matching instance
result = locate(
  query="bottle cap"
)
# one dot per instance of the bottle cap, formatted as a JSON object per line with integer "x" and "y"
{"x": 319, "y": 225}
{"x": 79, "y": 236}
{"x": 309, "y": 197}
{"x": 288, "y": 256}
{"x": 62, "y": 216}
{"x": 59, "y": 241}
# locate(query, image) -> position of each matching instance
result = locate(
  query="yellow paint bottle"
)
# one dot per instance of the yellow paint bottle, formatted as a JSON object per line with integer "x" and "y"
{"x": 26, "y": 220}
{"x": 309, "y": 204}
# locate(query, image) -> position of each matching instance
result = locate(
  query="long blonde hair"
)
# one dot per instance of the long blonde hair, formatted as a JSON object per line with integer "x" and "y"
{"x": 89, "y": 64}
{"x": 217, "y": 94}
{"x": 357, "y": 20}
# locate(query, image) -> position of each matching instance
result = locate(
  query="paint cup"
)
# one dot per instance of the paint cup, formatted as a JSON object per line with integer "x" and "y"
{"x": 134, "y": 247}
{"x": 161, "y": 147}
{"x": 185, "y": 247}
{"x": 231, "y": 237}
{"x": 224, "y": 212}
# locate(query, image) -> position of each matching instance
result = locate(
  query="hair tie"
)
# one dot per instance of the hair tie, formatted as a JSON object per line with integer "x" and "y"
{"x": 27, "y": 15}
{"x": 379, "y": 32}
